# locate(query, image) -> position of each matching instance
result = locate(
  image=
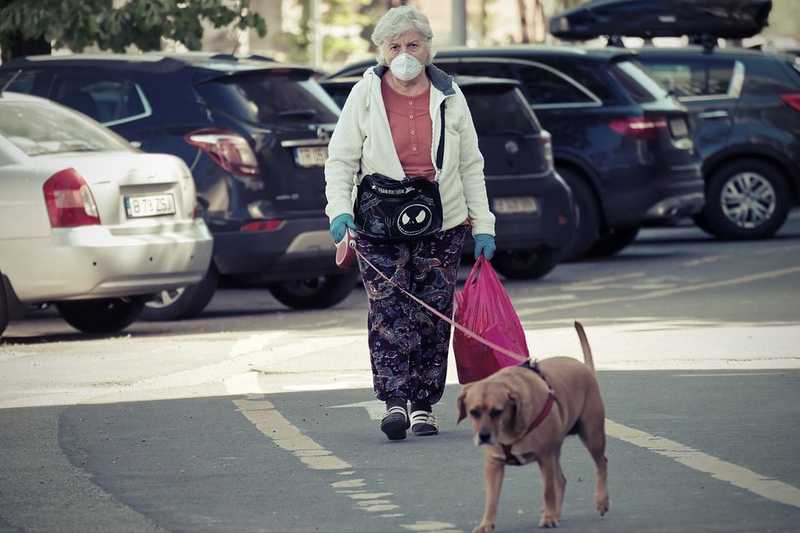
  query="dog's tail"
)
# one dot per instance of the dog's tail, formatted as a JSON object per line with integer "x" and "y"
{"x": 587, "y": 350}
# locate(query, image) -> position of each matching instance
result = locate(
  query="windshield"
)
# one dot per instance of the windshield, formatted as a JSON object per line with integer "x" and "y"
{"x": 266, "y": 96}
{"x": 39, "y": 129}
{"x": 638, "y": 83}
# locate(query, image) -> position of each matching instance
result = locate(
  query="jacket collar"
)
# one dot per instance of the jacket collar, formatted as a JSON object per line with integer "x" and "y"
{"x": 441, "y": 80}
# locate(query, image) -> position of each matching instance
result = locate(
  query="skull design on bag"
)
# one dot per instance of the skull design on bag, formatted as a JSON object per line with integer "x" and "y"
{"x": 414, "y": 219}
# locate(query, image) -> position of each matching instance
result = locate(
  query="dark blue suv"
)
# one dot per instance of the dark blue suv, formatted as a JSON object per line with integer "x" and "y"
{"x": 622, "y": 144}
{"x": 253, "y": 132}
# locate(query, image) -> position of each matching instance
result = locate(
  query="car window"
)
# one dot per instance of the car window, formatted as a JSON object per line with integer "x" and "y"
{"x": 38, "y": 129}
{"x": 547, "y": 87}
{"x": 637, "y": 82}
{"x": 104, "y": 98}
{"x": 478, "y": 68}
{"x": 692, "y": 79}
{"x": 499, "y": 110}
{"x": 26, "y": 81}
{"x": 269, "y": 96}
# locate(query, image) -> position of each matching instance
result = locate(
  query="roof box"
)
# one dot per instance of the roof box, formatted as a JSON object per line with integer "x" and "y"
{"x": 729, "y": 19}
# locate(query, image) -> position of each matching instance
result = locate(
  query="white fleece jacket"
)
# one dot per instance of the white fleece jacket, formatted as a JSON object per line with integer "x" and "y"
{"x": 362, "y": 144}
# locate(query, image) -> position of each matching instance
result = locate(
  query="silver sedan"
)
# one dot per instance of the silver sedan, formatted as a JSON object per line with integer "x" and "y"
{"x": 88, "y": 222}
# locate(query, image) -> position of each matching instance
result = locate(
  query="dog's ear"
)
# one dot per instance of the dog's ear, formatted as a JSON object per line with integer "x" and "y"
{"x": 462, "y": 408}
{"x": 516, "y": 419}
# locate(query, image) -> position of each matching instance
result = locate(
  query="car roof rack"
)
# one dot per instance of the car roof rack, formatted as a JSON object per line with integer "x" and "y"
{"x": 703, "y": 21}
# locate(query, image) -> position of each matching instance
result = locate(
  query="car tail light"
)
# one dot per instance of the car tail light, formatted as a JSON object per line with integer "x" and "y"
{"x": 546, "y": 140}
{"x": 263, "y": 225}
{"x": 792, "y": 100}
{"x": 69, "y": 200}
{"x": 229, "y": 150}
{"x": 640, "y": 127}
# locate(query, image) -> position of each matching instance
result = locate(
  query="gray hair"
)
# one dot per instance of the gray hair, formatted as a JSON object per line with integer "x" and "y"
{"x": 400, "y": 20}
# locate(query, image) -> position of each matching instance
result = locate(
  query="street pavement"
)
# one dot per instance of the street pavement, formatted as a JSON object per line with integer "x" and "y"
{"x": 254, "y": 418}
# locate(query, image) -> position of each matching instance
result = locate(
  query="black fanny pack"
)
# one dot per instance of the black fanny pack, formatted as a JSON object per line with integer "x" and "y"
{"x": 388, "y": 210}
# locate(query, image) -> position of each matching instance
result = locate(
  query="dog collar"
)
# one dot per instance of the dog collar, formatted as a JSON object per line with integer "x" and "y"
{"x": 546, "y": 408}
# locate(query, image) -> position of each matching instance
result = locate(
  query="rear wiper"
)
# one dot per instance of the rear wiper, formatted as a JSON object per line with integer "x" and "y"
{"x": 298, "y": 113}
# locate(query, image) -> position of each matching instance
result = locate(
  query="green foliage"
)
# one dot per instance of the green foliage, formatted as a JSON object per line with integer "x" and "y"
{"x": 76, "y": 24}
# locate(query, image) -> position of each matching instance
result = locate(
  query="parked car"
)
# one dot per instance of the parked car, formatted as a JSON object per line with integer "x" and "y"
{"x": 88, "y": 222}
{"x": 746, "y": 110}
{"x": 254, "y": 133}
{"x": 622, "y": 144}
{"x": 533, "y": 206}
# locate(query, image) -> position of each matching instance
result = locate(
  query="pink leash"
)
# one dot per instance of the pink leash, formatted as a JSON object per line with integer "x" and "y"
{"x": 453, "y": 323}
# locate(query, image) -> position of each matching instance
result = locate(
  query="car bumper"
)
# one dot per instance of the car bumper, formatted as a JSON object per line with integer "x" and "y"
{"x": 299, "y": 249}
{"x": 97, "y": 262}
{"x": 550, "y": 224}
{"x": 675, "y": 191}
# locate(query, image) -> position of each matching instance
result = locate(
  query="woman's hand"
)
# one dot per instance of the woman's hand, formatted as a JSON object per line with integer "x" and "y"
{"x": 484, "y": 244}
{"x": 339, "y": 226}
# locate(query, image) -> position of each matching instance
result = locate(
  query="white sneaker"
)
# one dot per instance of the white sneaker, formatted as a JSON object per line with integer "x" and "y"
{"x": 424, "y": 423}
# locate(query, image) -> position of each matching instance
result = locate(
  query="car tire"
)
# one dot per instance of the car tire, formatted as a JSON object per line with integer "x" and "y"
{"x": 526, "y": 264}
{"x": 109, "y": 315}
{"x": 315, "y": 293}
{"x": 185, "y": 302}
{"x": 4, "y": 312}
{"x": 587, "y": 213}
{"x": 613, "y": 242}
{"x": 756, "y": 190}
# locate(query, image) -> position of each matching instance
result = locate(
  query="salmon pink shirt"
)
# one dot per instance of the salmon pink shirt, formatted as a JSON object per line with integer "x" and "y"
{"x": 412, "y": 129}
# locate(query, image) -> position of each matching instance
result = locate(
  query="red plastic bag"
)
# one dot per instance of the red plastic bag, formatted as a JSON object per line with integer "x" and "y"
{"x": 483, "y": 306}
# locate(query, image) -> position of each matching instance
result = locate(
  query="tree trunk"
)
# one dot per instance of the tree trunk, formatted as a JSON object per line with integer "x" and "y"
{"x": 523, "y": 21}
{"x": 17, "y": 46}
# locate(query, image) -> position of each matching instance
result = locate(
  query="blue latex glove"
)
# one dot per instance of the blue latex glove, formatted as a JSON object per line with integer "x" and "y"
{"x": 340, "y": 224}
{"x": 484, "y": 244}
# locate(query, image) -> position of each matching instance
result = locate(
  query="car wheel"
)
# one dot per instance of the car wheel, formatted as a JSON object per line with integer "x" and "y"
{"x": 109, "y": 315}
{"x": 526, "y": 264}
{"x": 614, "y": 242}
{"x": 315, "y": 293}
{"x": 747, "y": 199}
{"x": 184, "y": 302}
{"x": 588, "y": 214}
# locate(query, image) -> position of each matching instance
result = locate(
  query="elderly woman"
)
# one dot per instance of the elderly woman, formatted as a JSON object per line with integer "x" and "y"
{"x": 406, "y": 126}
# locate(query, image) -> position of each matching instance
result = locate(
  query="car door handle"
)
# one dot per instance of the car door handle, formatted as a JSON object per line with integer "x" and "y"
{"x": 713, "y": 114}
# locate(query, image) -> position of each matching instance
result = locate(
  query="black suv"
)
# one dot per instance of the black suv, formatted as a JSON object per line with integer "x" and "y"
{"x": 255, "y": 135}
{"x": 532, "y": 204}
{"x": 746, "y": 112}
{"x": 620, "y": 141}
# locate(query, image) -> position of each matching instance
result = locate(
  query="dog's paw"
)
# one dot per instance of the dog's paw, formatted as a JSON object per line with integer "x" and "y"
{"x": 602, "y": 503}
{"x": 484, "y": 528}
{"x": 548, "y": 520}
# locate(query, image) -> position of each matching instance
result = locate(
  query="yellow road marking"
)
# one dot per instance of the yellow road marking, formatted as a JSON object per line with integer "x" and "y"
{"x": 736, "y": 475}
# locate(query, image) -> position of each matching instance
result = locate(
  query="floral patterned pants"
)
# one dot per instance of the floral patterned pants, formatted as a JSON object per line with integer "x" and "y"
{"x": 408, "y": 344}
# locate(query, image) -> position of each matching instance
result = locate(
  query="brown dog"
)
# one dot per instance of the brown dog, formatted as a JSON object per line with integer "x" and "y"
{"x": 522, "y": 414}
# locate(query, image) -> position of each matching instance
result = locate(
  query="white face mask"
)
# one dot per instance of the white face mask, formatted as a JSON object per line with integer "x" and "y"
{"x": 405, "y": 67}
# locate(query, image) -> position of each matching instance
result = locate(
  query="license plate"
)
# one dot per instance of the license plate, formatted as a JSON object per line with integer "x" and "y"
{"x": 516, "y": 205}
{"x": 150, "y": 206}
{"x": 310, "y": 156}
{"x": 678, "y": 127}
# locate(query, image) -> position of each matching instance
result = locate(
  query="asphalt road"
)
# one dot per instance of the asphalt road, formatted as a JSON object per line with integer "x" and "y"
{"x": 252, "y": 418}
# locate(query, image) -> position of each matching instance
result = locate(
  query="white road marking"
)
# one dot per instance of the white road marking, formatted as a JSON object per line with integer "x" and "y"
{"x": 607, "y": 279}
{"x": 704, "y": 260}
{"x": 375, "y": 409}
{"x": 540, "y": 299}
{"x": 736, "y": 475}
{"x": 664, "y": 292}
